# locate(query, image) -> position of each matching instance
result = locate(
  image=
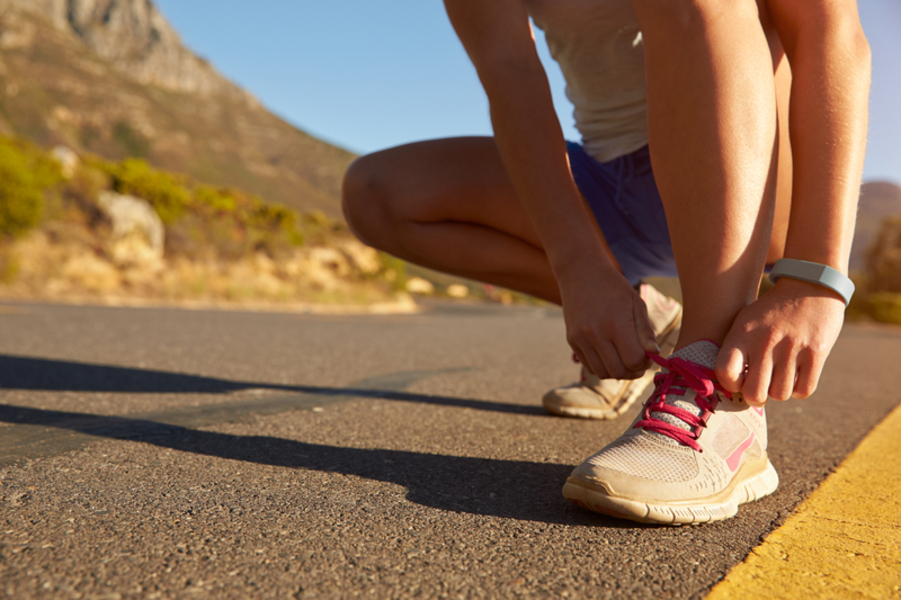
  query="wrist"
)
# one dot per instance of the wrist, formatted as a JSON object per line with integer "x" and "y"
{"x": 816, "y": 274}
{"x": 794, "y": 288}
{"x": 578, "y": 260}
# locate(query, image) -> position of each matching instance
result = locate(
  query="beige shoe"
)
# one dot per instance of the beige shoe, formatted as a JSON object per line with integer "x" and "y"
{"x": 693, "y": 454}
{"x": 595, "y": 398}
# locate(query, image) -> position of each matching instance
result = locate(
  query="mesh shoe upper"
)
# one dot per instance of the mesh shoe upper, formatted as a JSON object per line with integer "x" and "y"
{"x": 690, "y": 439}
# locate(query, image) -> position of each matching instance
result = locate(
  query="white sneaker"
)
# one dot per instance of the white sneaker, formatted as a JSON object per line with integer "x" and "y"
{"x": 692, "y": 455}
{"x": 596, "y": 398}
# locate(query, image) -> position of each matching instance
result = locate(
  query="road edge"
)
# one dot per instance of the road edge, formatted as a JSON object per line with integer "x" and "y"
{"x": 844, "y": 541}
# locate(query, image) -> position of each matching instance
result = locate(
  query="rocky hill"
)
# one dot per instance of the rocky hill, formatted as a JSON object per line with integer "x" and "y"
{"x": 112, "y": 77}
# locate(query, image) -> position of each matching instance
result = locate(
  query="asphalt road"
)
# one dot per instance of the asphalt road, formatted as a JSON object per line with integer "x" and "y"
{"x": 170, "y": 453}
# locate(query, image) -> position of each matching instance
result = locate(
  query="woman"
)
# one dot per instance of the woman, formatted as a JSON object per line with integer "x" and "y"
{"x": 754, "y": 117}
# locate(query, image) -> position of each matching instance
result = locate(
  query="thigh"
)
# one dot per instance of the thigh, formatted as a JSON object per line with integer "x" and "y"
{"x": 454, "y": 179}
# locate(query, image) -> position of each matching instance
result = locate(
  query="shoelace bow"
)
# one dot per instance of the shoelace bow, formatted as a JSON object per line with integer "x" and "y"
{"x": 682, "y": 376}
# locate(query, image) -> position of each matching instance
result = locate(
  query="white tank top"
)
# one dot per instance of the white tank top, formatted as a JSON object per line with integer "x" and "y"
{"x": 599, "y": 48}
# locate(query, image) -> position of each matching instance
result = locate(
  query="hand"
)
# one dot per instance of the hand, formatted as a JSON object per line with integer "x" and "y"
{"x": 778, "y": 345}
{"x": 607, "y": 323}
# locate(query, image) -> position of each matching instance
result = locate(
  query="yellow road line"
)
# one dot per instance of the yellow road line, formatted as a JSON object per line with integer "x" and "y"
{"x": 845, "y": 539}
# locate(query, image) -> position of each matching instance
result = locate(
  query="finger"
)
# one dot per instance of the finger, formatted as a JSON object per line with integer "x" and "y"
{"x": 730, "y": 367}
{"x": 580, "y": 358}
{"x": 757, "y": 379}
{"x": 632, "y": 341}
{"x": 643, "y": 328}
{"x": 596, "y": 363}
{"x": 809, "y": 370}
{"x": 583, "y": 359}
{"x": 782, "y": 384}
{"x": 614, "y": 362}
{"x": 631, "y": 354}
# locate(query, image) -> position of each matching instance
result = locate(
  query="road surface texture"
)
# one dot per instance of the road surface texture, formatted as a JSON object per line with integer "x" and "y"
{"x": 157, "y": 453}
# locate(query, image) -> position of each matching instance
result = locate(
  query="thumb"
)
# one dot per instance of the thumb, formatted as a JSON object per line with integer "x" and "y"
{"x": 730, "y": 367}
{"x": 643, "y": 327}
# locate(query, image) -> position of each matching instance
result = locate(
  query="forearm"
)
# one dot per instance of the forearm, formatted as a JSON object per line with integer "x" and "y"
{"x": 531, "y": 144}
{"x": 498, "y": 38}
{"x": 778, "y": 345}
{"x": 830, "y": 62}
{"x": 607, "y": 324}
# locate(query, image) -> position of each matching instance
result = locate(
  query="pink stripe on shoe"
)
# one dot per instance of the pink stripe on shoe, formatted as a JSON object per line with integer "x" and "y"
{"x": 735, "y": 457}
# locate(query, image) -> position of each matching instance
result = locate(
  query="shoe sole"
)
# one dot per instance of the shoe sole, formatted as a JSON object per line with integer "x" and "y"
{"x": 751, "y": 483}
{"x": 554, "y": 404}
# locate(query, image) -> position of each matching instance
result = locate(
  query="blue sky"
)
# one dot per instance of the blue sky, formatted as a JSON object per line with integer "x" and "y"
{"x": 367, "y": 75}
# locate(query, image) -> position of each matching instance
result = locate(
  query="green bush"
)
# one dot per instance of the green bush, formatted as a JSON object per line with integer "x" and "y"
{"x": 884, "y": 257}
{"x": 885, "y": 307}
{"x": 394, "y": 270}
{"x": 26, "y": 176}
{"x": 165, "y": 191}
{"x": 231, "y": 224}
{"x": 200, "y": 220}
{"x": 9, "y": 264}
{"x": 216, "y": 199}
{"x": 272, "y": 227}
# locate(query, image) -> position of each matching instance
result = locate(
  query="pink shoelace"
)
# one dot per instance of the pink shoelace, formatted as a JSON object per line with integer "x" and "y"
{"x": 683, "y": 375}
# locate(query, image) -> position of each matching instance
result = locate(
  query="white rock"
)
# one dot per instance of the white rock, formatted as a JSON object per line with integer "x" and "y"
{"x": 138, "y": 234}
{"x": 329, "y": 258}
{"x": 67, "y": 158}
{"x": 457, "y": 290}
{"x": 323, "y": 268}
{"x": 418, "y": 285}
{"x": 362, "y": 257}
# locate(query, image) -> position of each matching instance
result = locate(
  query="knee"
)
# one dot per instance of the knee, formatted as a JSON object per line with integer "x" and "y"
{"x": 365, "y": 200}
{"x": 689, "y": 16}
{"x": 805, "y": 22}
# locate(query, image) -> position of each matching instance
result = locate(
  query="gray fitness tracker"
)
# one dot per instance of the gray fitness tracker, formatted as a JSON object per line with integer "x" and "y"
{"x": 812, "y": 272}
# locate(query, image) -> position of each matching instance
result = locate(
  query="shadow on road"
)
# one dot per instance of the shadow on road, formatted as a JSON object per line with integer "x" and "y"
{"x": 40, "y": 374}
{"x": 510, "y": 489}
{"x": 519, "y": 490}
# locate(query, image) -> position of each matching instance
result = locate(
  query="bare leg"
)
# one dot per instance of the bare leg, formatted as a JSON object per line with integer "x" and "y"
{"x": 448, "y": 205}
{"x": 784, "y": 167}
{"x": 712, "y": 126}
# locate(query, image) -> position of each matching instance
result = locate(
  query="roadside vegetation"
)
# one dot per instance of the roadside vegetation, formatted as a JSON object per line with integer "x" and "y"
{"x": 198, "y": 218}
{"x": 878, "y": 293}
{"x": 225, "y": 246}
{"x": 28, "y": 180}
{"x": 221, "y": 243}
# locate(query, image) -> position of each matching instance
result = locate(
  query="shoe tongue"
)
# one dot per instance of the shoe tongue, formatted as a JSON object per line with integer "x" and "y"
{"x": 702, "y": 353}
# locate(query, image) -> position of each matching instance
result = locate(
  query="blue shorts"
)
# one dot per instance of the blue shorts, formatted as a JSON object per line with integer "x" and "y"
{"x": 623, "y": 196}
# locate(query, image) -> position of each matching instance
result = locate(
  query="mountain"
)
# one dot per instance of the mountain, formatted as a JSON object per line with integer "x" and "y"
{"x": 878, "y": 199}
{"x": 113, "y": 78}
